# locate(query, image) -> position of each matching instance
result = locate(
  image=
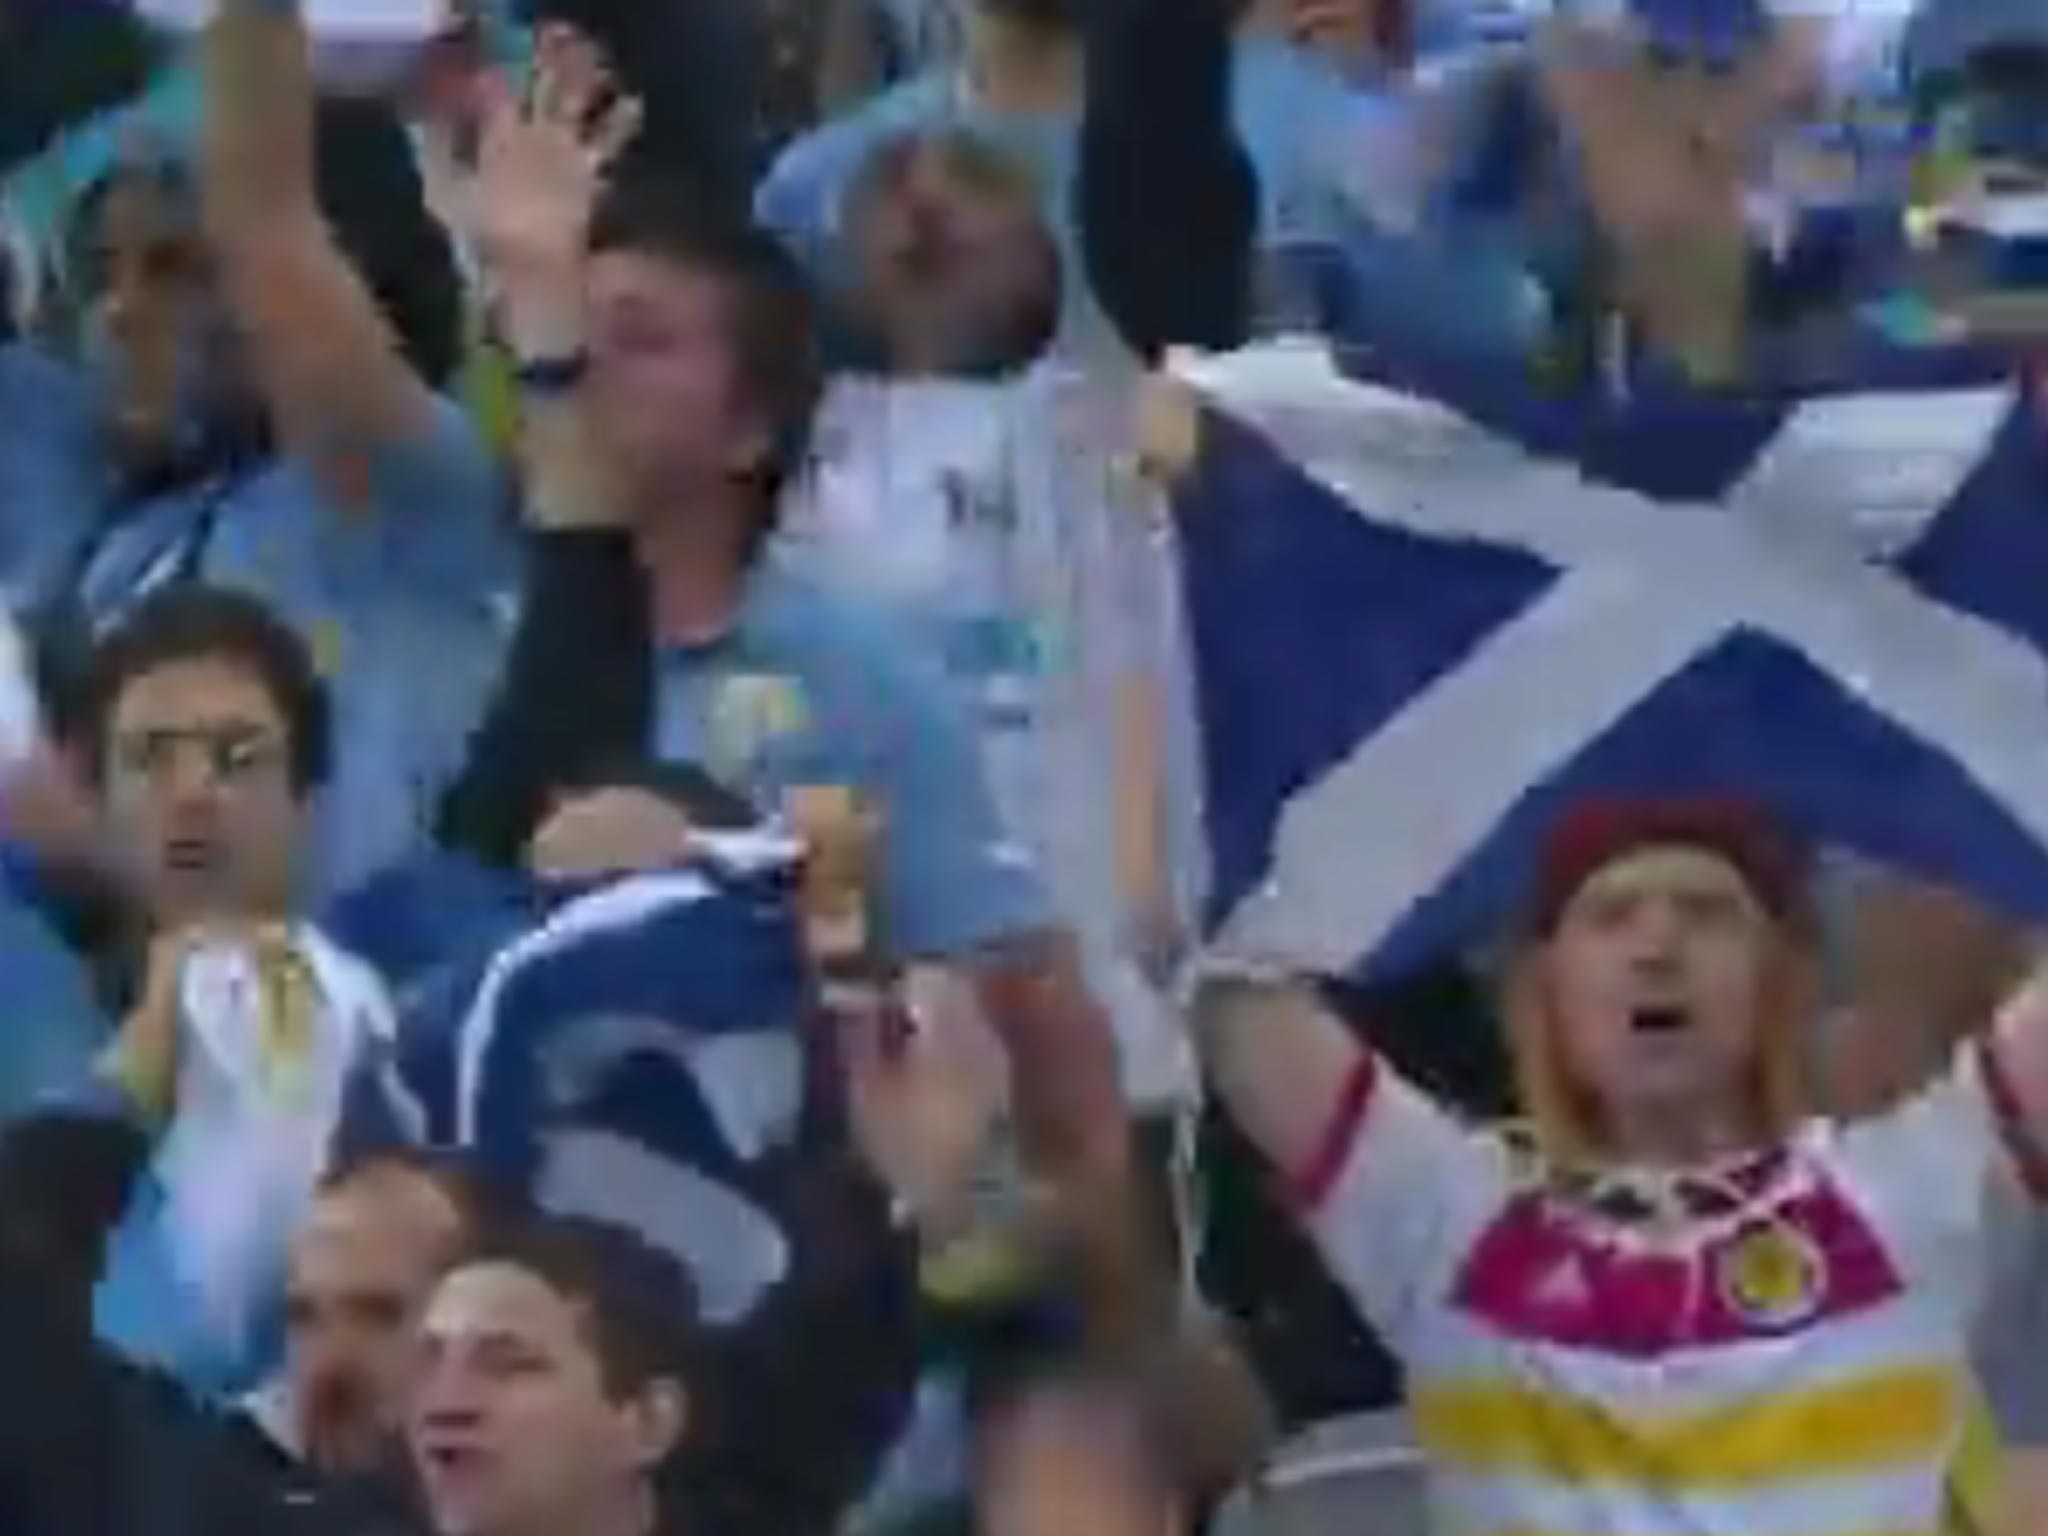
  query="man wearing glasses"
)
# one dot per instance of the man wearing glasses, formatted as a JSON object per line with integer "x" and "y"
{"x": 202, "y": 728}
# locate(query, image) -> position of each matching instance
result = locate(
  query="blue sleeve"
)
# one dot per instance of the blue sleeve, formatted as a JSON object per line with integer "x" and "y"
{"x": 800, "y": 198}
{"x": 411, "y": 921}
{"x": 953, "y": 880}
{"x": 438, "y": 518}
{"x": 55, "y": 1029}
{"x": 144, "y": 1308}
{"x": 49, "y": 475}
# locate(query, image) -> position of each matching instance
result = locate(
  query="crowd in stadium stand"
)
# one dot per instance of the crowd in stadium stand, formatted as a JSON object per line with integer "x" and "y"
{"x": 674, "y": 850}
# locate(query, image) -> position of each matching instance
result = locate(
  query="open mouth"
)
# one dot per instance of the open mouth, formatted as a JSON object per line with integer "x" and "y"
{"x": 1659, "y": 1019}
{"x": 451, "y": 1461}
{"x": 192, "y": 855}
{"x": 927, "y": 259}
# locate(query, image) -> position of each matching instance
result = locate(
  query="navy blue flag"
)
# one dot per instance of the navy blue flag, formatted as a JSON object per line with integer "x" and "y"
{"x": 1430, "y": 603}
{"x": 645, "y": 1053}
{"x": 632, "y": 1053}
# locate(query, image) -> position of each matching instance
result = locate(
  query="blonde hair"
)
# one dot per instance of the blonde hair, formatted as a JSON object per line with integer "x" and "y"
{"x": 1559, "y": 1115}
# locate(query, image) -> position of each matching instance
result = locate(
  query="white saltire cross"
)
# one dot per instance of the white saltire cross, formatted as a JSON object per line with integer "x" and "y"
{"x": 1794, "y": 553}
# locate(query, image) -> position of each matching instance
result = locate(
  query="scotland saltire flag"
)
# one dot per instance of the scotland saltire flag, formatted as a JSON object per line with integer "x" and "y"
{"x": 1430, "y": 603}
{"x": 631, "y": 1053}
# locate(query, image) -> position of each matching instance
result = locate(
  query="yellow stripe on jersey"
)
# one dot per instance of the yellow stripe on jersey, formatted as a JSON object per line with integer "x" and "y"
{"x": 1977, "y": 1493}
{"x": 1869, "y": 1423}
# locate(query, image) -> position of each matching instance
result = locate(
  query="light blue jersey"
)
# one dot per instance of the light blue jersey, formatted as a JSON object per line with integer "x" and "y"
{"x": 812, "y": 688}
{"x": 403, "y": 599}
{"x": 55, "y": 1027}
{"x": 49, "y": 483}
{"x": 1330, "y": 157}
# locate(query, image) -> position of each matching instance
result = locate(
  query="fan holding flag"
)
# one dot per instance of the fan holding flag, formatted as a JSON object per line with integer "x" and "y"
{"x": 1683, "y": 1296}
{"x": 1677, "y": 1300}
{"x": 1476, "y": 655}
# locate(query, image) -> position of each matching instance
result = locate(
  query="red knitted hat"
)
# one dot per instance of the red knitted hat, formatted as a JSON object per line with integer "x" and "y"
{"x": 1594, "y": 833}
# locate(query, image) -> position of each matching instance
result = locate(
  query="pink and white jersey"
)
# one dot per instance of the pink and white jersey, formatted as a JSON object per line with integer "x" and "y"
{"x": 1777, "y": 1347}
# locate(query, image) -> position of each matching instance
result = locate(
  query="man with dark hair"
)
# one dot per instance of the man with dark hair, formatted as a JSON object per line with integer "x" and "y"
{"x": 753, "y": 297}
{"x": 202, "y": 623}
{"x": 731, "y": 658}
{"x": 563, "y": 1375}
{"x": 659, "y": 1060}
{"x": 203, "y": 727}
{"x": 768, "y": 679}
{"x": 203, "y": 730}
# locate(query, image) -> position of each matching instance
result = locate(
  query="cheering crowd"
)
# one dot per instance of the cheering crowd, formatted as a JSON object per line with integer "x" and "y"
{"x": 604, "y": 876}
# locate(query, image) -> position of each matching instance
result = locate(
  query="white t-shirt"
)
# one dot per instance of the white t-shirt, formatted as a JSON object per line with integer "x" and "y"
{"x": 271, "y": 1035}
{"x": 995, "y": 520}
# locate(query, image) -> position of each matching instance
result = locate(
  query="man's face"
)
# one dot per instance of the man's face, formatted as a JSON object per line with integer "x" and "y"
{"x": 198, "y": 793}
{"x": 512, "y": 1428}
{"x": 1654, "y": 979}
{"x": 156, "y": 324}
{"x": 953, "y": 264}
{"x": 360, "y": 1275}
{"x": 667, "y": 401}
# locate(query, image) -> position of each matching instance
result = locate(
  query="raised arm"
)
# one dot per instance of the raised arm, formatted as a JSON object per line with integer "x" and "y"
{"x": 1162, "y": 175}
{"x": 326, "y": 359}
{"x": 576, "y": 692}
{"x": 1281, "y": 1064}
{"x": 1664, "y": 166}
{"x": 525, "y": 202}
{"x": 1927, "y": 970}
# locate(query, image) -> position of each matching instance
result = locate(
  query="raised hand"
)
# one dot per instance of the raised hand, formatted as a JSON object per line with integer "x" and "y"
{"x": 841, "y": 836}
{"x": 1665, "y": 154}
{"x": 525, "y": 197}
{"x": 145, "y": 1055}
{"x": 618, "y": 830}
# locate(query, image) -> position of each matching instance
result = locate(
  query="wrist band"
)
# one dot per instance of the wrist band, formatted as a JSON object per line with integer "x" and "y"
{"x": 551, "y": 375}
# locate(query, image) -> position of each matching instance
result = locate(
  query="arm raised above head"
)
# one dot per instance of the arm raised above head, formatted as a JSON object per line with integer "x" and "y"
{"x": 329, "y": 363}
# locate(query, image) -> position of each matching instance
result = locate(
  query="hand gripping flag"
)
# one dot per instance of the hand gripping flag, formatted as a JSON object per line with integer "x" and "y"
{"x": 631, "y": 1053}
{"x": 1430, "y": 603}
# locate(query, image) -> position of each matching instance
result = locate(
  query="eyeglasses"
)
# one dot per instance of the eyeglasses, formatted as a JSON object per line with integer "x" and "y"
{"x": 232, "y": 754}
